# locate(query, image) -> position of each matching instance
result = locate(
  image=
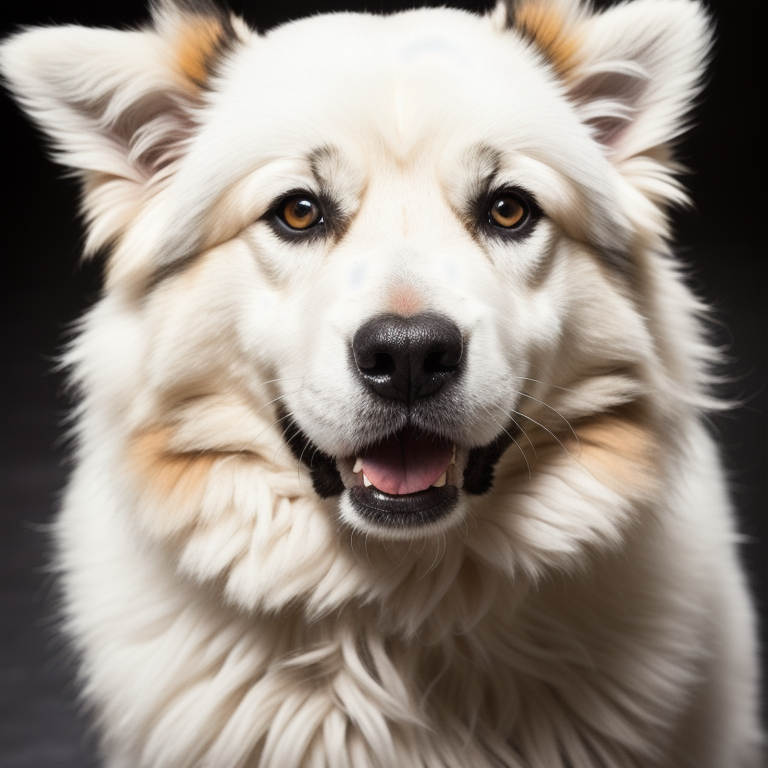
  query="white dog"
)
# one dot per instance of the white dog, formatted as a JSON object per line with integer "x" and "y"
{"x": 389, "y": 446}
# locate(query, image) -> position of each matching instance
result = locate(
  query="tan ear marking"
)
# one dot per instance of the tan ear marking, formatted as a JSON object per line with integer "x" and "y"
{"x": 201, "y": 40}
{"x": 546, "y": 26}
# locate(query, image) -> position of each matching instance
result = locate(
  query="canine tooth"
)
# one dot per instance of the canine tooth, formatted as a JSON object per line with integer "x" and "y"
{"x": 440, "y": 482}
{"x": 366, "y": 481}
{"x": 358, "y": 465}
{"x": 453, "y": 458}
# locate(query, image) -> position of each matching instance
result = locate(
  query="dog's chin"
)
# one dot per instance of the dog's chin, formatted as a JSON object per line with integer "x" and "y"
{"x": 401, "y": 516}
{"x": 422, "y": 495}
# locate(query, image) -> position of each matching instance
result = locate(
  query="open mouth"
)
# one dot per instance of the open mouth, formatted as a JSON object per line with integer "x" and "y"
{"x": 409, "y": 479}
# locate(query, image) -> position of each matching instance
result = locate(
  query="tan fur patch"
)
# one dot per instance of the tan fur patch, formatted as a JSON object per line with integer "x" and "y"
{"x": 173, "y": 483}
{"x": 198, "y": 44}
{"x": 621, "y": 453}
{"x": 546, "y": 26}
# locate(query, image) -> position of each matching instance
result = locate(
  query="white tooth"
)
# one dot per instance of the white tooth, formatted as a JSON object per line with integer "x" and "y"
{"x": 366, "y": 481}
{"x": 453, "y": 458}
{"x": 440, "y": 482}
{"x": 358, "y": 465}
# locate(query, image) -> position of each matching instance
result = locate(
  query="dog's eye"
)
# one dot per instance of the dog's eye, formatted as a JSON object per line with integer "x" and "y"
{"x": 300, "y": 212}
{"x": 508, "y": 211}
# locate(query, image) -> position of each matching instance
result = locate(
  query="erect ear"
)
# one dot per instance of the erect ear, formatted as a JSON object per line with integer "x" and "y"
{"x": 632, "y": 70}
{"x": 118, "y": 105}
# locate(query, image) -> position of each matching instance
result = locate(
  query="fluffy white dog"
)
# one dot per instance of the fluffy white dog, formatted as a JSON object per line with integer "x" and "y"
{"x": 389, "y": 447}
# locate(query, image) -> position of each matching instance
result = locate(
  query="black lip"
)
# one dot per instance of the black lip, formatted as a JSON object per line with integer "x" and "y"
{"x": 424, "y": 506}
{"x": 408, "y": 510}
{"x": 481, "y": 463}
{"x": 326, "y": 479}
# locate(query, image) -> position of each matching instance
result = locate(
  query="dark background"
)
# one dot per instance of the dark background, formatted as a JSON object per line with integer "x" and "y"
{"x": 44, "y": 290}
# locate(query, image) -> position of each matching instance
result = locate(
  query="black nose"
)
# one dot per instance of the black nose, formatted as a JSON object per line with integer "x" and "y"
{"x": 407, "y": 357}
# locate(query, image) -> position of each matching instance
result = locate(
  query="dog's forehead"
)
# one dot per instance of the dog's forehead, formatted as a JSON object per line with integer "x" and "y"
{"x": 369, "y": 39}
{"x": 409, "y": 81}
{"x": 433, "y": 46}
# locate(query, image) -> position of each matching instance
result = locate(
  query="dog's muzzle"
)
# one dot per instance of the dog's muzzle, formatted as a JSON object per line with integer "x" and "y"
{"x": 412, "y": 476}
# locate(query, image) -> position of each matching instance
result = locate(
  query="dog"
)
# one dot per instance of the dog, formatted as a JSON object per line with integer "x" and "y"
{"x": 389, "y": 447}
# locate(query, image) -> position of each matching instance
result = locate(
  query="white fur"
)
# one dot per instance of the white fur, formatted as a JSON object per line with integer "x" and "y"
{"x": 590, "y": 609}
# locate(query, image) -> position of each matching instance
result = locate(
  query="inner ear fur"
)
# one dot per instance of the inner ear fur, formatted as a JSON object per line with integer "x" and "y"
{"x": 632, "y": 70}
{"x": 119, "y": 105}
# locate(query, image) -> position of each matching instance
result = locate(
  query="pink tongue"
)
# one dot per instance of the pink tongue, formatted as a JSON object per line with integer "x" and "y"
{"x": 406, "y": 463}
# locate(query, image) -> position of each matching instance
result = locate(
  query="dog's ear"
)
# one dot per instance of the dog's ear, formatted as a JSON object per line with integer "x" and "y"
{"x": 118, "y": 106}
{"x": 632, "y": 70}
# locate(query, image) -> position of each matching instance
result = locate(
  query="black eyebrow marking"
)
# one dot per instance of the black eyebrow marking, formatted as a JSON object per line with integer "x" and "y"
{"x": 482, "y": 166}
{"x": 325, "y": 164}
{"x": 487, "y": 163}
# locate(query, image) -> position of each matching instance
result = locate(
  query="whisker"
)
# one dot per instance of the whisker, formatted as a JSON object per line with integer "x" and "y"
{"x": 442, "y": 548}
{"x": 467, "y": 519}
{"x": 407, "y": 551}
{"x": 275, "y": 399}
{"x": 314, "y": 453}
{"x": 554, "y": 410}
{"x": 392, "y": 558}
{"x": 269, "y": 426}
{"x": 522, "y": 431}
{"x": 463, "y": 534}
{"x": 279, "y": 450}
{"x": 545, "y": 384}
{"x": 352, "y": 546}
{"x": 503, "y": 429}
{"x": 438, "y": 556}
{"x": 525, "y": 416}
{"x": 261, "y": 384}
{"x": 282, "y": 378}
{"x": 284, "y": 442}
{"x": 298, "y": 462}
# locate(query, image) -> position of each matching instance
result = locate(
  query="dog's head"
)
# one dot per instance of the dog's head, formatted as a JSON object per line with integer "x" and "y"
{"x": 403, "y": 248}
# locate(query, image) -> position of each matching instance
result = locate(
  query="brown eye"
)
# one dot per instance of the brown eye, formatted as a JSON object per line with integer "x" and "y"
{"x": 300, "y": 212}
{"x": 508, "y": 211}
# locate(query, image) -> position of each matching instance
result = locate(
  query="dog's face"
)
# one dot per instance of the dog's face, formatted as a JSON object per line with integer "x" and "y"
{"x": 405, "y": 220}
{"x": 400, "y": 248}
